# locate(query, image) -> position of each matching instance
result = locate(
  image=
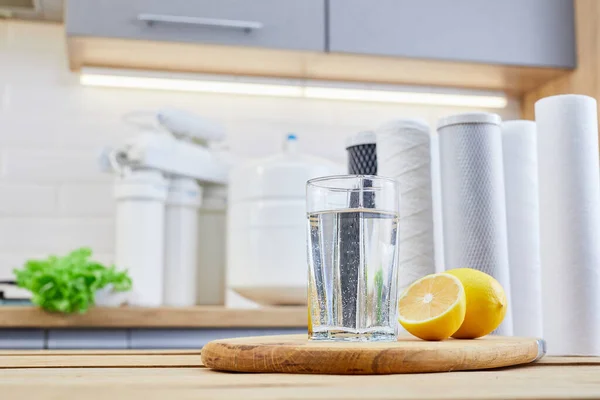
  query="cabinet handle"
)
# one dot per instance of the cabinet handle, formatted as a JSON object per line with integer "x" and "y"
{"x": 247, "y": 26}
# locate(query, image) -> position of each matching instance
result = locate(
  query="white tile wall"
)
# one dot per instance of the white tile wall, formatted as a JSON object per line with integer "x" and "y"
{"x": 27, "y": 200}
{"x": 53, "y": 197}
{"x": 86, "y": 200}
{"x": 55, "y": 235}
{"x": 39, "y": 165}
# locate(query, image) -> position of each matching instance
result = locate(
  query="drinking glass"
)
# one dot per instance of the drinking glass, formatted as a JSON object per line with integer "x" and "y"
{"x": 352, "y": 258}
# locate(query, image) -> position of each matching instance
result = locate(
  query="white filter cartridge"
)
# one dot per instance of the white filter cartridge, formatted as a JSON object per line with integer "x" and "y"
{"x": 473, "y": 198}
{"x": 181, "y": 230}
{"x": 139, "y": 233}
{"x": 569, "y": 182}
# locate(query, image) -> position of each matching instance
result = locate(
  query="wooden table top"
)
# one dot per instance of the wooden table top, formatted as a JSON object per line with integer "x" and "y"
{"x": 161, "y": 317}
{"x": 163, "y": 375}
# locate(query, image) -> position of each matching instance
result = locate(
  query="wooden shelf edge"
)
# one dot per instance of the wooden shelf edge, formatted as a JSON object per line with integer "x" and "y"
{"x": 163, "y": 317}
{"x": 250, "y": 61}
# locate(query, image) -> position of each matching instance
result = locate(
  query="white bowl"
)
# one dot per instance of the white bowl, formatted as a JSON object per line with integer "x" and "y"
{"x": 106, "y": 297}
{"x": 274, "y": 296}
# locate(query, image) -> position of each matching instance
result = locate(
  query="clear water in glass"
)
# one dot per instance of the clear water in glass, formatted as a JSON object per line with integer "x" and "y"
{"x": 352, "y": 287}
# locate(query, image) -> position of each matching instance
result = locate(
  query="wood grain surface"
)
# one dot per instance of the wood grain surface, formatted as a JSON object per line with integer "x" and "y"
{"x": 297, "y": 354}
{"x": 254, "y": 61}
{"x": 85, "y": 374}
{"x": 99, "y": 358}
{"x": 162, "y": 317}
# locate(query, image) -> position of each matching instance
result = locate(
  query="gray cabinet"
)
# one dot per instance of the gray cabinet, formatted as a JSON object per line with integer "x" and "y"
{"x": 22, "y": 339}
{"x": 512, "y": 32}
{"x": 128, "y": 338}
{"x": 283, "y": 24}
{"x": 196, "y": 338}
{"x": 87, "y": 339}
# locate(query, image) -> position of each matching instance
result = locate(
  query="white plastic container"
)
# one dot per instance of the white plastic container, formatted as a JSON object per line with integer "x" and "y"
{"x": 212, "y": 219}
{"x": 266, "y": 242}
{"x": 140, "y": 217}
{"x": 181, "y": 229}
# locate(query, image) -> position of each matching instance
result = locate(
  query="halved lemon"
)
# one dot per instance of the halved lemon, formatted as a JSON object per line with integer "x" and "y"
{"x": 434, "y": 307}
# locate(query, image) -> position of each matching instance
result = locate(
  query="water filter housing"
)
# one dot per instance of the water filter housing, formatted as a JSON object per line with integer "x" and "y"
{"x": 266, "y": 228}
{"x": 212, "y": 237}
{"x": 181, "y": 230}
{"x": 139, "y": 236}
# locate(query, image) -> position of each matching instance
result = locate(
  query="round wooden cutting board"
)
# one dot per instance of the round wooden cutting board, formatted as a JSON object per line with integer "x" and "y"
{"x": 295, "y": 354}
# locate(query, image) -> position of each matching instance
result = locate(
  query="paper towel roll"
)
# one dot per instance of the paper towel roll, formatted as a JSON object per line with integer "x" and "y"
{"x": 519, "y": 148}
{"x": 567, "y": 128}
{"x": 473, "y": 198}
{"x": 403, "y": 153}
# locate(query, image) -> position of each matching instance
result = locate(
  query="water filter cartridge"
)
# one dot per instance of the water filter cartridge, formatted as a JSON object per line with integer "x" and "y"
{"x": 181, "y": 230}
{"x": 473, "y": 198}
{"x": 140, "y": 216}
{"x": 569, "y": 199}
{"x": 212, "y": 234}
{"x": 362, "y": 153}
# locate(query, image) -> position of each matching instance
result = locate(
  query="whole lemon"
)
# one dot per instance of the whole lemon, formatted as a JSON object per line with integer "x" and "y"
{"x": 486, "y": 303}
{"x": 433, "y": 307}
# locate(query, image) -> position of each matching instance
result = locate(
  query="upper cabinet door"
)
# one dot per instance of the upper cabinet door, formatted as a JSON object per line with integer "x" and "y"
{"x": 512, "y": 32}
{"x": 282, "y": 24}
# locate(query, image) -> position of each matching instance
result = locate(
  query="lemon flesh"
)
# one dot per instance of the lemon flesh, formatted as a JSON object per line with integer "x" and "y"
{"x": 433, "y": 308}
{"x": 486, "y": 303}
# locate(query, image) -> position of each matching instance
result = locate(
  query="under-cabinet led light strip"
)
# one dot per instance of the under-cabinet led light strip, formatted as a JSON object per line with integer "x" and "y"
{"x": 312, "y": 89}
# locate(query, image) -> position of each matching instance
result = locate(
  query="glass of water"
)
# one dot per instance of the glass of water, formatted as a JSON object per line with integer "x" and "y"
{"x": 353, "y": 258}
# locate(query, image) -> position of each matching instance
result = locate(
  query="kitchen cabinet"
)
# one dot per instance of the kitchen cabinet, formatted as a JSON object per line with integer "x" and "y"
{"x": 536, "y": 33}
{"x": 22, "y": 339}
{"x": 511, "y": 45}
{"x": 87, "y": 339}
{"x": 196, "y": 338}
{"x": 172, "y": 338}
{"x": 282, "y": 24}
